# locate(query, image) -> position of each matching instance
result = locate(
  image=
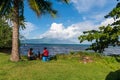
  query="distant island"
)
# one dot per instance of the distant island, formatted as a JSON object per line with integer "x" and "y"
{"x": 47, "y": 41}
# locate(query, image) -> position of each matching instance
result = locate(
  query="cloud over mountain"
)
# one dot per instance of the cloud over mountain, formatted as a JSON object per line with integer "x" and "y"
{"x": 59, "y": 31}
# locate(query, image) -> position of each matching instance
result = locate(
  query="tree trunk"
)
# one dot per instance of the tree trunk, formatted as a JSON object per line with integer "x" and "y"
{"x": 15, "y": 36}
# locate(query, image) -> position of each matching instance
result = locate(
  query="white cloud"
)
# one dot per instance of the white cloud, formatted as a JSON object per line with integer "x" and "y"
{"x": 27, "y": 31}
{"x": 107, "y": 21}
{"x": 86, "y": 5}
{"x": 59, "y": 31}
{"x": 71, "y": 32}
{"x": 98, "y": 17}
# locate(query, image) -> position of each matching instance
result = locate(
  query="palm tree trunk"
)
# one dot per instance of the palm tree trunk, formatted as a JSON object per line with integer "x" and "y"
{"x": 15, "y": 36}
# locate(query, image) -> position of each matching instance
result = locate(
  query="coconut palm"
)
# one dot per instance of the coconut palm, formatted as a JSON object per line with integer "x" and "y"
{"x": 14, "y": 10}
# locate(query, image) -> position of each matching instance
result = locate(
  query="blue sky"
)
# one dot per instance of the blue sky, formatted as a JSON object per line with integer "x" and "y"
{"x": 71, "y": 20}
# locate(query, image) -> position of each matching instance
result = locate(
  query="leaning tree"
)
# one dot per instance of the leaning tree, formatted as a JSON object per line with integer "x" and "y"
{"x": 106, "y": 35}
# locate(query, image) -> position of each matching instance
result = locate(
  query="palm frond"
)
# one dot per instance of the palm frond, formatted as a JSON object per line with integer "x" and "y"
{"x": 34, "y": 6}
{"x": 21, "y": 14}
{"x": 6, "y": 10}
{"x": 42, "y": 7}
{"x": 5, "y": 7}
{"x": 66, "y": 1}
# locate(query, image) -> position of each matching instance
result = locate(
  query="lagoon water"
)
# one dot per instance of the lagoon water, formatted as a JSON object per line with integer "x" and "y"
{"x": 63, "y": 48}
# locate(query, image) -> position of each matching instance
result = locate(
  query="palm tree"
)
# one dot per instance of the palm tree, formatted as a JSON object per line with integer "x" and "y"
{"x": 14, "y": 9}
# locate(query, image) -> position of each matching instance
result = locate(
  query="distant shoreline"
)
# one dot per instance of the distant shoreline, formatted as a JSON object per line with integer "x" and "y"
{"x": 53, "y": 44}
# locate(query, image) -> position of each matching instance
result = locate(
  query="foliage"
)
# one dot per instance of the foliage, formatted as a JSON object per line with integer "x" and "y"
{"x": 102, "y": 38}
{"x": 7, "y": 8}
{"x": 5, "y": 34}
{"x": 106, "y": 35}
{"x": 115, "y": 13}
{"x": 72, "y": 52}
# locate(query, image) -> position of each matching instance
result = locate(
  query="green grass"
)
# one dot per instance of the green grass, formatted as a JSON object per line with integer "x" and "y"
{"x": 66, "y": 67}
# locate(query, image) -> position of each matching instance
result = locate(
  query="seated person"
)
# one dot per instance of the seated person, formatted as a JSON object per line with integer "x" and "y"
{"x": 39, "y": 55}
{"x": 45, "y": 52}
{"x": 30, "y": 54}
{"x": 45, "y": 55}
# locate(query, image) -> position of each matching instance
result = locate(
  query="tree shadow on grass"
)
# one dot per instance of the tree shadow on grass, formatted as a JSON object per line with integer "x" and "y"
{"x": 113, "y": 75}
{"x": 117, "y": 58}
{"x": 5, "y": 50}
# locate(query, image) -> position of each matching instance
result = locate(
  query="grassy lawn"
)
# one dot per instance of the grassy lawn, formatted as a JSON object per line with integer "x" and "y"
{"x": 66, "y": 67}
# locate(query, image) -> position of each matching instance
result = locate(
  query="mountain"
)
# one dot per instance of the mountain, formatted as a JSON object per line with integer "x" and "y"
{"x": 47, "y": 41}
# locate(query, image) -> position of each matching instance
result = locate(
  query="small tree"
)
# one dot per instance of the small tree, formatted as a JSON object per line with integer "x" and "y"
{"x": 106, "y": 35}
{"x": 5, "y": 35}
{"x": 102, "y": 38}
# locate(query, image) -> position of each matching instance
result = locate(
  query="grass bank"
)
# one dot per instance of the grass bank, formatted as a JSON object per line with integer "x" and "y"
{"x": 66, "y": 67}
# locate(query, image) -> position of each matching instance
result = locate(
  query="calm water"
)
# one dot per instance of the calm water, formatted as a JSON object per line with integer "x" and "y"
{"x": 53, "y": 48}
{"x": 112, "y": 50}
{"x": 63, "y": 48}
